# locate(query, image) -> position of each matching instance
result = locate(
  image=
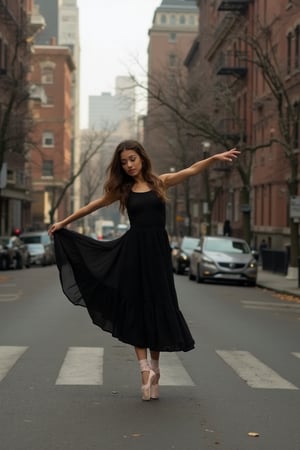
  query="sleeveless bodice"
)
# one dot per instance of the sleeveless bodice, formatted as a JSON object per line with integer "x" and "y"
{"x": 145, "y": 210}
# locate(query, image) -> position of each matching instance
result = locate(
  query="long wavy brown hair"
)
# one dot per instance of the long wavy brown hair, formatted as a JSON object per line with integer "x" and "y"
{"x": 119, "y": 183}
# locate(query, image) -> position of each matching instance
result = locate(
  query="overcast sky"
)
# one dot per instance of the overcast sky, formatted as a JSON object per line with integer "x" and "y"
{"x": 113, "y": 34}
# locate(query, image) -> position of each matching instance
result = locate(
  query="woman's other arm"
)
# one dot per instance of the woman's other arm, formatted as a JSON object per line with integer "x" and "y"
{"x": 105, "y": 200}
{"x": 173, "y": 178}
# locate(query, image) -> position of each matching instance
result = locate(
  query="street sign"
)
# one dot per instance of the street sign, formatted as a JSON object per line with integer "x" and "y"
{"x": 3, "y": 176}
{"x": 295, "y": 207}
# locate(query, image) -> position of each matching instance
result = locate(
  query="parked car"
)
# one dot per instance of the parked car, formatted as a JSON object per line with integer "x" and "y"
{"x": 41, "y": 237}
{"x": 13, "y": 253}
{"x": 121, "y": 229}
{"x": 39, "y": 255}
{"x": 181, "y": 254}
{"x": 223, "y": 258}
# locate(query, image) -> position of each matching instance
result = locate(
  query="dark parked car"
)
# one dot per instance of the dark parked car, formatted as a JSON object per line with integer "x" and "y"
{"x": 223, "y": 258}
{"x": 13, "y": 253}
{"x": 181, "y": 254}
{"x": 41, "y": 237}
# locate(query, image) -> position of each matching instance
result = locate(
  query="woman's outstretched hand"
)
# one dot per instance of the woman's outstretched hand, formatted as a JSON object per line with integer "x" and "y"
{"x": 229, "y": 155}
{"x": 56, "y": 226}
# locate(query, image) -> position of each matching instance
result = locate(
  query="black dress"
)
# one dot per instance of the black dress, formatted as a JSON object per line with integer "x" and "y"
{"x": 127, "y": 284}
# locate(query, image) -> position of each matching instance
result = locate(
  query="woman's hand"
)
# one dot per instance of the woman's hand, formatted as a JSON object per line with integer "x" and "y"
{"x": 56, "y": 226}
{"x": 229, "y": 155}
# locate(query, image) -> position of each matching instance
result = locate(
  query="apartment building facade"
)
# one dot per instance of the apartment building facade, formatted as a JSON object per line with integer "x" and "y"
{"x": 50, "y": 158}
{"x": 62, "y": 17}
{"x": 252, "y": 49}
{"x": 174, "y": 27}
{"x": 19, "y": 23}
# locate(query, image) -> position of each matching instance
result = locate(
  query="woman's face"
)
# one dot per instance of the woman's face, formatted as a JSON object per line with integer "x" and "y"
{"x": 131, "y": 162}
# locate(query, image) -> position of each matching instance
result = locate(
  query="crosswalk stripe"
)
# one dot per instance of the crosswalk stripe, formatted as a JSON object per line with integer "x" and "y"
{"x": 9, "y": 355}
{"x": 172, "y": 371}
{"x": 82, "y": 366}
{"x": 253, "y": 371}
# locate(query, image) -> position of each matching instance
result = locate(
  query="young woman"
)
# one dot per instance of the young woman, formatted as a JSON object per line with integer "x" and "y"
{"x": 127, "y": 284}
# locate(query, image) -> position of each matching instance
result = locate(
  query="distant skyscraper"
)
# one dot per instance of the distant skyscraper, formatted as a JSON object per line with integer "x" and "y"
{"x": 111, "y": 111}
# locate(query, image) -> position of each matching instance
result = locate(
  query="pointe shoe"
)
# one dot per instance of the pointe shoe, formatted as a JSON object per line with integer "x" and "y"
{"x": 146, "y": 388}
{"x": 154, "y": 391}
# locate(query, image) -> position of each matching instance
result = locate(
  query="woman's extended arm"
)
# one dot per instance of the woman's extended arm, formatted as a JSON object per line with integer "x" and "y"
{"x": 105, "y": 200}
{"x": 170, "y": 179}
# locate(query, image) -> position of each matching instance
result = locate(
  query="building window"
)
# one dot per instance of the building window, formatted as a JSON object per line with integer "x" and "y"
{"x": 296, "y": 128}
{"x": 49, "y": 101}
{"x": 47, "y": 75}
{"x": 289, "y": 53}
{"x": 48, "y": 139}
{"x": 173, "y": 20}
{"x": 47, "y": 169}
{"x": 192, "y": 20}
{"x": 163, "y": 19}
{"x": 182, "y": 20}
{"x": 172, "y": 60}
{"x": 297, "y": 47}
{"x": 172, "y": 37}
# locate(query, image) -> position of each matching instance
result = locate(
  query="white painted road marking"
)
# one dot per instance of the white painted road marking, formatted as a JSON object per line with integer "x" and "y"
{"x": 296, "y": 354}
{"x": 271, "y": 306}
{"x": 254, "y": 372}
{"x": 82, "y": 366}
{"x": 9, "y": 355}
{"x": 10, "y": 297}
{"x": 172, "y": 371}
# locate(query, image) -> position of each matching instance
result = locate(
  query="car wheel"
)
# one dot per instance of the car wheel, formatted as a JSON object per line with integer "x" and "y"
{"x": 199, "y": 279}
{"x": 179, "y": 269}
{"x": 4, "y": 263}
{"x": 19, "y": 262}
{"x": 191, "y": 276}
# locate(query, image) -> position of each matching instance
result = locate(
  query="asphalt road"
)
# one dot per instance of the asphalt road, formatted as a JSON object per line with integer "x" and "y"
{"x": 65, "y": 384}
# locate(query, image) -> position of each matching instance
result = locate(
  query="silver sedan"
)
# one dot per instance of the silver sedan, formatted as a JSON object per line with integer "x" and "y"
{"x": 223, "y": 258}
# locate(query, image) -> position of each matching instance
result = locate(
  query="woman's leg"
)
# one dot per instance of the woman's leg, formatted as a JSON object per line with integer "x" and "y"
{"x": 141, "y": 354}
{"x": 154, "y": 364}
{"x": 148, "y": 375}
{"x": 154, "y": 359}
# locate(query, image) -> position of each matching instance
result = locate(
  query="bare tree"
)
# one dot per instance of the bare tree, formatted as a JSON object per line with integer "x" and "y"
{"x": 92, "y": 143}
{"x": 15, "y": 117}
{"x": 206, "y": 112}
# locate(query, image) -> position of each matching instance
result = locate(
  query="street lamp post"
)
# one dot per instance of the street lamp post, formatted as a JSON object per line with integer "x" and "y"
{"x": 174, "y": 207}
{"x": 207, "y": 203}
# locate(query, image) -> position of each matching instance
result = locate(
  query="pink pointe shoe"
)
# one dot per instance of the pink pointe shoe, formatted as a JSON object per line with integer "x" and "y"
{"x": 147, "y": 388}
{"x": 155, "y": 386}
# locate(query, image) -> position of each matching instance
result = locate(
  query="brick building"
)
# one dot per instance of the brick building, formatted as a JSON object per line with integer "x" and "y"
{"x": 50, "y": 158}
{"x": 175, "y": 25}
{"x": 19, "y": 22}
{"x": 252, "y": 50}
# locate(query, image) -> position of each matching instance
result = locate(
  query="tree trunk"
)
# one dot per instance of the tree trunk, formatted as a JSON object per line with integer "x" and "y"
{"x": 245, "y": 197}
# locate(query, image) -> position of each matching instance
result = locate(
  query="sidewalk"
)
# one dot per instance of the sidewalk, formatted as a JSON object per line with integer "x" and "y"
{"x": 277, "y": 282}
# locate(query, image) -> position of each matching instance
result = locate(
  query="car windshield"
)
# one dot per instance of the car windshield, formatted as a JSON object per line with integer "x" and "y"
{"x": 189, "y": 243}
{"x": 226, "y": 245}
